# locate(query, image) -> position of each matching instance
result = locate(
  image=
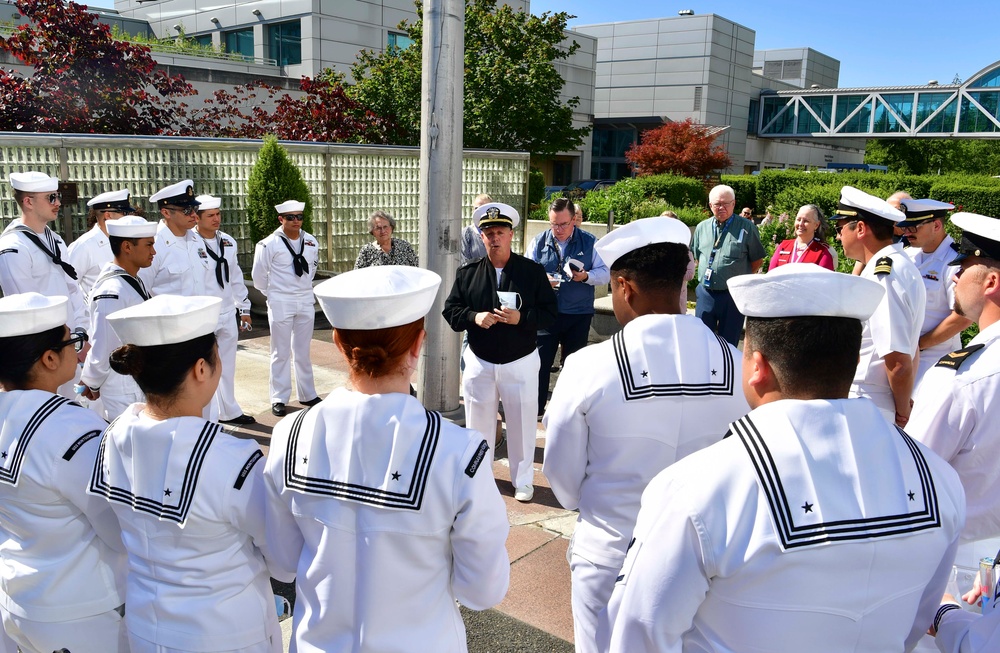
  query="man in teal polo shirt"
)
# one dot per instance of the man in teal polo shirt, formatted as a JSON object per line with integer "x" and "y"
{"x": 725, "y": 246}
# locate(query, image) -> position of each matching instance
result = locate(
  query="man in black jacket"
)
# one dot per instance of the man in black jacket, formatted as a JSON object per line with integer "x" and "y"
{"x": 502, "y": 300}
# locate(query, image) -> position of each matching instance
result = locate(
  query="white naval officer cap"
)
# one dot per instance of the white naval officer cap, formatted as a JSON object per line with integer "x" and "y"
{"x": 113, "y": 200}
{"x": 179, "y": 194}
{"x": 290, "y": 206}
{"x": 25, "y": 314}
{"x": 496, "y": 214}
{"x": 803, "y": 290}
{"x": 639, "y": 233}
{"x": 378, "y": 297}
{"x": 166, "y": 320}
{"x": 33, "y": 182}
{"x": 856, "y": 204}
{"x": 980, "y": 236}
{"x": 131, "y": 226}
{"x": 207, "y": 202}
{"x": 917, "y": 211}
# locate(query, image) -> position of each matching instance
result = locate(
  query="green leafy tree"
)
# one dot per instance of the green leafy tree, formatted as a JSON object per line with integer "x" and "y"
{"x": 511, "y": 85}
{"x": 273, "y": 180}
{"x": 921, "y": 156}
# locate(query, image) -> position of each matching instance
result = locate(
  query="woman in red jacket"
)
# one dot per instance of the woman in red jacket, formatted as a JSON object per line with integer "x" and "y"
{"x": 808, "y": 246}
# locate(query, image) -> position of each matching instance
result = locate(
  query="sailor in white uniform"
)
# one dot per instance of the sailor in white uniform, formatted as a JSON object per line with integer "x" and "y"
{"x": 888, "y": 365}
{"x": 957, "y": 409}
{"x": 386, "y": 513}
{"x": 932, "y": 250}
{"x": 284, "y": 266}
{"x": 627, "y": 408}
{"x": 190, "y": 498}
{"x": 62, "y": 563}
{"x": 225, "y": 281}
{"x": 817, "y": 525}
{"x": 118, "y": 287}
{"x": 89, "y": 253}
{"x": 963, "y": 631}
{"x": 181, "y": 263}
{"x": 31, "y": 254}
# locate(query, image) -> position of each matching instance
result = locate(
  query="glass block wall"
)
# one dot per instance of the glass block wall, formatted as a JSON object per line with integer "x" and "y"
{"x": 347, "y": 182}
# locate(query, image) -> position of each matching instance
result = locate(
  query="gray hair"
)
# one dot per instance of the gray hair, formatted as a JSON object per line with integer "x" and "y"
{"x": 719, "y": 190}
{"x": 821, "y": 229}
{"x": 385, "y": 216}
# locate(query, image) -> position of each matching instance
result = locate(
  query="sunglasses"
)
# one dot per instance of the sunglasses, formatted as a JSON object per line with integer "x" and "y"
{"x": 53, "y": 198}
{"x": 297, "y": 217}
{"x": 840, "y": 228}
{"x": 912, "y": 228}
{"x": 186, "y": 210}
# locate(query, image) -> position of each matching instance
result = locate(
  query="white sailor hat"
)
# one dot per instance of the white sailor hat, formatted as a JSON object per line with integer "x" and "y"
{"x": 496, "y": 214}
{"x": 917, "y": 211}
{"x": 378, "y": 297}
{"x": 290, "y": 206}
{"x": 28, "y": 313}
{"x": 647, "y": 231}
{"x": 207, "y": 202}
{"x": 856, "y": 204}
{"x": 113, "y": 200}
{"x": 131, "y": 226}
{"x": 179, "y": 194}
{"x": 166, "y": 320}
{"x": 33, "y": 182}
{"x": 980, "y": 236}
{"x": 805, "y": 289}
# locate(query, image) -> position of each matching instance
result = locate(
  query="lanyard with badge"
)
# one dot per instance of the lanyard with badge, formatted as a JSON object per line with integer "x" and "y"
{"x": 720, "y": 234}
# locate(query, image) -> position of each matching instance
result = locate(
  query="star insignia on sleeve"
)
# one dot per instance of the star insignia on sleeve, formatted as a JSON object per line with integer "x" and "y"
{"x": 304, "y": 460}
{"x": 4, "y": 454}
{"x": 167, "y": 492}
{"x": 395, "y": 476}
{"x": 645, "y": 374}
{"x": 910, "y": 494}
{"x": 808, "y": 507}
{"x": 714, "y": 372}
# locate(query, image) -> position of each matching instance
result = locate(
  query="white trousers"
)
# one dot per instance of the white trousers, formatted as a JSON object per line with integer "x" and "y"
{"x": 102, "y": 633}
{"x": 291, "y": 323}
{"x": 118, "y": 393}
{"x": 271, "y": 645}
{"x": 516, "y": 384}
{"x": 592, "y": 586}
{"x": 227, "y": 334}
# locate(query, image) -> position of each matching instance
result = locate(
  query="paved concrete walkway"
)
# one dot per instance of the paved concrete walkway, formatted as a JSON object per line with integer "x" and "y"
{"x": 535, "y": 616}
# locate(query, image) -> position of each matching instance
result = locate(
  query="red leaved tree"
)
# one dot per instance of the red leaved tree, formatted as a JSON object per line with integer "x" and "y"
{"x": 84, "y": 81}
{"x": 680, "y": 148}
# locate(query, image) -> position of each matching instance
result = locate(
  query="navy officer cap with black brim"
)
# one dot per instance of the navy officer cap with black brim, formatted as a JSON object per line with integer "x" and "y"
{"x": 980, "y": 236}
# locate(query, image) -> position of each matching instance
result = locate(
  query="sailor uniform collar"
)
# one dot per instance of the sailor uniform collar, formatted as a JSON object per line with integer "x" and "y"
{"x": 173, "y": 502}
{"x": 15, "y": 445}
{"x": 646, "y": 372}
{"x": 806, "y": 506}
{"x": 402, "y": 487}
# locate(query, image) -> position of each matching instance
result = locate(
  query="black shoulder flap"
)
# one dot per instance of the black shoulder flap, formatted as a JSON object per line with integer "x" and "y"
{"x": 883, "y": 265}
{"x": 477, "y": 459}
{"x": 956, "y": 359}
{"x": 82, "y": 440}
{"x": 245, "y": 470}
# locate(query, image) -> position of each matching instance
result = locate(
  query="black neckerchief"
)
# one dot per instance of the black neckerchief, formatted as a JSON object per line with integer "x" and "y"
{"x": 54, "y": 255}
{"x": 135, "y": 282}
{"x": 221, "y": 264}
{"x": 299, "y": 261}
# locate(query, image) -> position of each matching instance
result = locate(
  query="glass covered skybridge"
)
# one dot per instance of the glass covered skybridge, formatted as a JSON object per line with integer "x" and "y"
{"x": 969, "y": 110}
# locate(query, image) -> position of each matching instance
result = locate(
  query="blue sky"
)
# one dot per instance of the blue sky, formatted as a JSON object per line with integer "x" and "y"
{"x": 878, "y": 42}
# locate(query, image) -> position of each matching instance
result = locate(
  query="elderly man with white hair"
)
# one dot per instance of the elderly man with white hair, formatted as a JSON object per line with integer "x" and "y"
{"x": 725, "y": 246}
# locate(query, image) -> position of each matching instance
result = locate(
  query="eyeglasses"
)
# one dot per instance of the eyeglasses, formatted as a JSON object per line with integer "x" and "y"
{"x": 379, "y": 228}
{"x": 292, "y": 216}
{"x": 722, "y": 205}
{"x": 186, "y": 210}
{"x": 912, "y": 228}
{"x": 561, "y": 225}
{"x": 840, "y": 227}
{"x": 77, "y": 340}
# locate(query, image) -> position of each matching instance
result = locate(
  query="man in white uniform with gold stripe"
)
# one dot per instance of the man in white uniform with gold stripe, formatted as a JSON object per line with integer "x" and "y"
{"x": 932, "y": 250}
{"x": 284, "y": 266}
{"x": 887, "y": 366}
{"x": 180, "y": 263}
{"x": 627, "y": 408}
{"x": 816, "y": 525}
{"x": 957, "y": 409}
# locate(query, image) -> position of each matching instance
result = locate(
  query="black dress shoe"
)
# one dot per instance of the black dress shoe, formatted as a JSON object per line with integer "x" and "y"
{"x": 242, "y": 419}
{"x": 311, "y": 402}
{"x": 278, "y": 409}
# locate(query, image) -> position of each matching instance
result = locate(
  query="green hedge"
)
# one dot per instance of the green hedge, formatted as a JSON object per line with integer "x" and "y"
{"x": 274, "y": 179}
{"x": 536, "y": 187}
{"x": 745, "y": 187}
{"x": 975, "y": 199}
{"x": 643, "y": 197}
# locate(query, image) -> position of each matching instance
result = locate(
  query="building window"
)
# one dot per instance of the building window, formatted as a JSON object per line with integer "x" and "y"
{"x": 396, "y": 40}
{"x": 203, "y": 39}
{"x": 752, "y": 117}
{"x": 240, "y": 42}
{"x": 284, "y": 43}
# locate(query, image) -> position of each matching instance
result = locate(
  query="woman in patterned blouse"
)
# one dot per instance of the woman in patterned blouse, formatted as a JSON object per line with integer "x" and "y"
{"x": 386, "y": 250}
